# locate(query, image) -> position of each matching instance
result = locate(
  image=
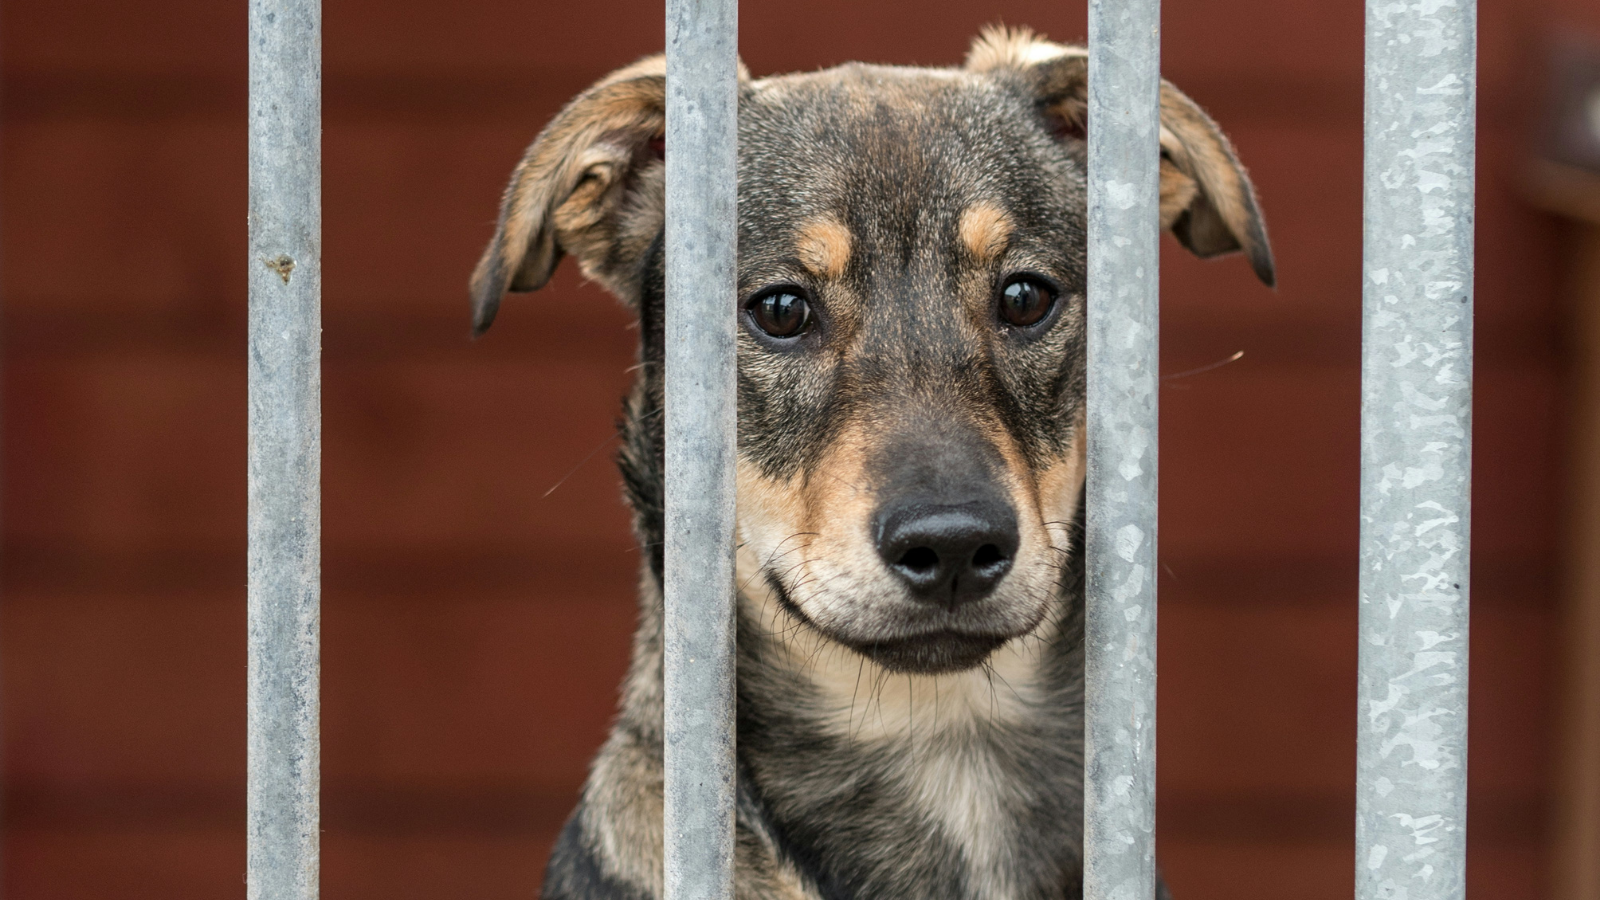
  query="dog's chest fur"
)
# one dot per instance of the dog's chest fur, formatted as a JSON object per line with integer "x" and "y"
{"x": 883, "y": 785}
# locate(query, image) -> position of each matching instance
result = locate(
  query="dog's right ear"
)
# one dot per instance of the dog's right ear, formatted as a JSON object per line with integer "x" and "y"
{"x": 1207, "y": 201}
{"x": 583, "y": 175}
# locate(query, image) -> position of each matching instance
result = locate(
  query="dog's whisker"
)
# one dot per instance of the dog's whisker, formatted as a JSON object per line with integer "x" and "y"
{"x": 574, "y": 470}
{"x": 911, "y": 720}
{"x": 1235, "y": 357}
{"x": 850, "y": 719}
{"x": 988, "y": 673}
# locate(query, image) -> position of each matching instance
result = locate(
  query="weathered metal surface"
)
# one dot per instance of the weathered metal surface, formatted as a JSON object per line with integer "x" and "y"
{"x": 1124, "y": 228}
{"x": 701, "y": 238}
{"x": 1416, "y": 443}
{"x": 285, "y": 446}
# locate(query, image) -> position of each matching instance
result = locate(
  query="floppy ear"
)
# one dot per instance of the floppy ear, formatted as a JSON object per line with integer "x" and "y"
{"x": 1222, "y": 214}
{"x": 590, "y": 175}
{"x": 1207, "y": 200}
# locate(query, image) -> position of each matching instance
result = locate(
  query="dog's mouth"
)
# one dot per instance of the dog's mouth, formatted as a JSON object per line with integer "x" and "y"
{"x": 932, "y": 654}
{"x": 923, "y": 649}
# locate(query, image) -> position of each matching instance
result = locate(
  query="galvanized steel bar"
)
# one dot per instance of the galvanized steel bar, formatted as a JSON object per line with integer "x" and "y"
{"x": 701, "y": 240}
{"x": 1120, "y": 641}
{"x": 285, "y": 286}
{"x": 1416, "y": 450}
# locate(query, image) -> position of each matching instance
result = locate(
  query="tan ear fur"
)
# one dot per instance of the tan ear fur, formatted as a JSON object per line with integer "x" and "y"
{"x": 1060, "y": 72}
{"x": 1223, "y": 214}
{"x": 1206, "y": 198}
{"x": 565, "y": 193}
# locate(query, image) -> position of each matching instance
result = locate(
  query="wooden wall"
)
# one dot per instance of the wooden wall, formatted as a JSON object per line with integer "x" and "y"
{"x": 476, "y": 621}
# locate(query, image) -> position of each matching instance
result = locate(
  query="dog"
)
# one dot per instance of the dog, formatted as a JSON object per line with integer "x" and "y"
{"x": 911, "y": 378}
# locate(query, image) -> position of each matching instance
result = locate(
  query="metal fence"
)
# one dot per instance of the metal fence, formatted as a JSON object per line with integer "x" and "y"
{"x": 1415, "y": 448}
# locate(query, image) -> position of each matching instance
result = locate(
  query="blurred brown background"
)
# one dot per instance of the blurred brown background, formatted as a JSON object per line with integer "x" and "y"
{"x": 475, "y": 626}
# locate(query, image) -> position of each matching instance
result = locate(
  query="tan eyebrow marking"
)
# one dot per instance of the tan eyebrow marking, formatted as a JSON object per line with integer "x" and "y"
{"x": 985, "y": 229}
{"x": 824, "y": 247}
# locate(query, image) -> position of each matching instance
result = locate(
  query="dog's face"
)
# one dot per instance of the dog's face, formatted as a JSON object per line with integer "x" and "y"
{"x": 911, "y": 359}
{"x": 911, "y": 303}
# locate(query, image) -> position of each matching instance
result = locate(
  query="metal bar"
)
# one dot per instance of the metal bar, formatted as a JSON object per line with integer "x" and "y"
{"x": 698, "y": 632}
{"x": 285, "y": 281}
{"x": 1120, "y": 639}
{"x": 1416, "y": 450}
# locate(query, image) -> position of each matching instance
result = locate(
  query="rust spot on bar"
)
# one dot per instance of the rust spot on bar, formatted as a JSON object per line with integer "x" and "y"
{"x": 281, "y": 264}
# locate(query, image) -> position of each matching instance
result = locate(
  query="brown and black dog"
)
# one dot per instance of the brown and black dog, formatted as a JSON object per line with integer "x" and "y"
{"x": 911, "y": 460}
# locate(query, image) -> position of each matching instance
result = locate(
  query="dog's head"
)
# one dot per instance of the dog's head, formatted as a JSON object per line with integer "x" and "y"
{"x": 911, "y": 296}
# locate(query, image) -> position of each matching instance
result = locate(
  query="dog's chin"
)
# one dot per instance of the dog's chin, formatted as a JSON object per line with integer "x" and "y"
{"x": 931, "y": 654}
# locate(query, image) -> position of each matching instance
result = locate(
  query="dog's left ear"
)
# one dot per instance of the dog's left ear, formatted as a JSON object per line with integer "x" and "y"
{"x": 1207, "y": 200}
{"x": 590, "y": 186}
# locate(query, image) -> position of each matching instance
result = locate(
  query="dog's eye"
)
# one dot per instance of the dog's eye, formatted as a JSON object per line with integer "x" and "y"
{"x": 1025, "y": 301}
{"x": 780, "y": 312}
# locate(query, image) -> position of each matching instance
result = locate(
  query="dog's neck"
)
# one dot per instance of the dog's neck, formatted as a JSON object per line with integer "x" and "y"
{"x": 914, "y": 785}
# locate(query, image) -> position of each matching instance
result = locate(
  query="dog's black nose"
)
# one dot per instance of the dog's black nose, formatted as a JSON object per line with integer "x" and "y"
{"x": 948, "y": 554}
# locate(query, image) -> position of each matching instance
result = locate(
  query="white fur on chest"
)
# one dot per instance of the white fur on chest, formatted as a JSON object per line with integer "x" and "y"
{"x": 960, "y": 786}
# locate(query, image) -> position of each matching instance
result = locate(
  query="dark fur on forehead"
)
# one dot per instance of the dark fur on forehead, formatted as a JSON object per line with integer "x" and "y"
{"x": 899, "y": 156}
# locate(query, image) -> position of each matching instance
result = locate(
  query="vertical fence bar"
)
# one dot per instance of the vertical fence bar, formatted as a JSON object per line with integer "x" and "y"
{"x": 1416, "y": 450}
{"x": 285, "y": 285}
{"x": 1120, "y": 641}
{"x": 701, "y": 240}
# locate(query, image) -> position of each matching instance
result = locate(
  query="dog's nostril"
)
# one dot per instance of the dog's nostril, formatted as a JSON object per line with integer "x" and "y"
{"x": 919, "y": 560}
{"x": 987, "y": 557}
